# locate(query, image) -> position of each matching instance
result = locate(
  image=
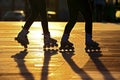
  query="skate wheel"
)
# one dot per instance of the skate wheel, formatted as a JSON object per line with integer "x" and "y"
{"x": 25, "y": 46}
{"x": 51, "y": 45}
{"x": 66, "y": 49}
{"x": 56, "y": 45}
{"x": 46, "y": 46}
{"x": 15, "y": 38}
{"x": 91, "y": 50}
{"x": 60, "y": 48}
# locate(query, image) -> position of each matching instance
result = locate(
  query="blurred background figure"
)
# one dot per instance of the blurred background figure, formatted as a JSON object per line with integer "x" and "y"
{"x": 57, "y": 10}
{"x": 99, "y": 6}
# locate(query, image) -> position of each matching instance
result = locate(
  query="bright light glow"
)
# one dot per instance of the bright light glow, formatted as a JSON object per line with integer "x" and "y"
{"x": 35, "y": 34}
{"x": 51, "y": 12}
{"x": 54, "y": 30}
{"x": 117, "y": 14}
{"x": 37, "y": 24}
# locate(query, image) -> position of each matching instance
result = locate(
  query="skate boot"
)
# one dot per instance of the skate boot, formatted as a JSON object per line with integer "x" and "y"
{"x": 92, "y": 46}
{"x": 22, "y": 38}
{"x": 66, "y": 46}
{"x": 49, "y": 42}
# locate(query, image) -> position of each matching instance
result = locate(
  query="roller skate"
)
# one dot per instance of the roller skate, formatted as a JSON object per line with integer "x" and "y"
{"x": 66, "y": 46}
{"x": 22, "y": 38}
{"x": 49, "y": 42}
{"x": 92, "y": 46}
{"x": 50, "y": 52}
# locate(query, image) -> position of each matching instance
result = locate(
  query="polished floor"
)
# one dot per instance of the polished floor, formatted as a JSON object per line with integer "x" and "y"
{"x": 35, "y": 63}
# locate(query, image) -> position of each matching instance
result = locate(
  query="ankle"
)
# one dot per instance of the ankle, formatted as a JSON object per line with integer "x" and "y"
{"x": 65, "y": 37}
{"x": 88, "y": 38}
{"x": 24, "y": 31}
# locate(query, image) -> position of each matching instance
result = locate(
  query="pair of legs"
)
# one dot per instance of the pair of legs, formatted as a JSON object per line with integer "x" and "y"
{"x": 74, "y": 7}
{"x": 38, "y": 7}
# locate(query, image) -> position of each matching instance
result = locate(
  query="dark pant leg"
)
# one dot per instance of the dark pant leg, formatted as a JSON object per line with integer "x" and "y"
{"x": 85, "y": 9}
{"x": 73, "y": 12}
{"x": 34, "y": 13}
{"x": 43, "y": 15}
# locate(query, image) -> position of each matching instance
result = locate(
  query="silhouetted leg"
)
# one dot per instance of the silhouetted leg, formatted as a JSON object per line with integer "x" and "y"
{"x": 73, "y": 12}
{"x": 48, "y": 41}
{"x": 22, "y": 35}
{"x": 43, "y": 15}
{"x": 87, "y": 13}
{"x": 34, "y": 14}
